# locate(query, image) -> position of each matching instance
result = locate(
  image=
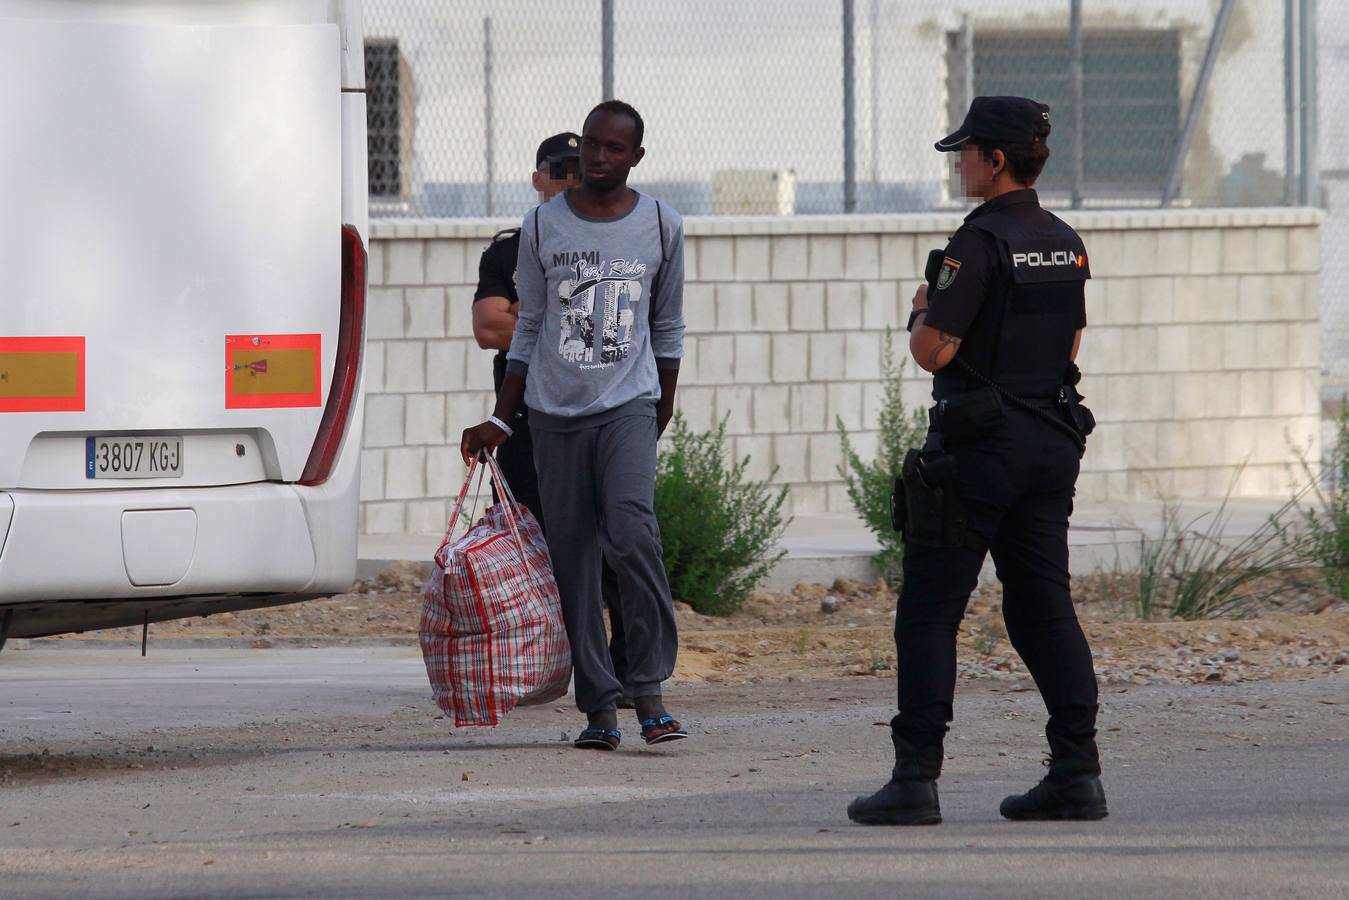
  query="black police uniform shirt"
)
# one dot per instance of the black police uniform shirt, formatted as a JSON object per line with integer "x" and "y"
{"x": 496, "y": 278}
{"x": 1041, "y": 313}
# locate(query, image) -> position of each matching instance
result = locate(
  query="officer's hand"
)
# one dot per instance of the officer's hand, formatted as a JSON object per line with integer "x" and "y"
{"x": 920, "y": 297}
{"x": 478, "y": 438}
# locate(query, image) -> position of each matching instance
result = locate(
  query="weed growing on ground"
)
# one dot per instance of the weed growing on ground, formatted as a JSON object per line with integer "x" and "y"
{"x": 718, "y": 528}
{"x": 987, "y": 636}
{"x": 1192, "y": 570}
{"x": 1325, "y": 536}
{"x": 801, "y": 642}
{"x": 870, "y": 483}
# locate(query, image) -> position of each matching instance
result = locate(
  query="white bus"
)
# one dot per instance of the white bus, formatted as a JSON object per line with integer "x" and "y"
{"x": 183, "y": 209}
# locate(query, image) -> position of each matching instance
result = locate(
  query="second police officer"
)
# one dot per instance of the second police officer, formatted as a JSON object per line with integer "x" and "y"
{"x": 998, "y": 324}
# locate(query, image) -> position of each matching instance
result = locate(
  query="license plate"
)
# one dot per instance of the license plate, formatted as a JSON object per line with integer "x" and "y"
{"x": 133, "y": 457}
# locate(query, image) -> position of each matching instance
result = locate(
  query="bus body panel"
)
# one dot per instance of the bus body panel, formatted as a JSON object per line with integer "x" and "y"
{"x": 6, "y": 516}
{"x": 247, "y": 536}
{"x": 182, "y": 175}
{"x": 185, "y": 191}
{"x": 345, "y": 14}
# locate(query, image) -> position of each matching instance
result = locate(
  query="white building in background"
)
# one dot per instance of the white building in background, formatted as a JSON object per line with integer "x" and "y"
{"x": 1333, "y": 38}
{"x": 1204, "y": 359}
{"x": 759, "y": 87}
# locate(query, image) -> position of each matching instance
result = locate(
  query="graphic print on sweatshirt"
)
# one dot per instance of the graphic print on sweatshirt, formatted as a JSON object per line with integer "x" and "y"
{"x": 608, "y": 291}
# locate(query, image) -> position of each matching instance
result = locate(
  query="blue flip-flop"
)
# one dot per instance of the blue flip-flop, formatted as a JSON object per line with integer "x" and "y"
{"x": 662, "y": 730}
{"x": 598, "y": 739}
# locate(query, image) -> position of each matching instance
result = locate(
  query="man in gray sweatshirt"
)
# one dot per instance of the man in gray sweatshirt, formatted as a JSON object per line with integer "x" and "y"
{"x": 595, "y": 353}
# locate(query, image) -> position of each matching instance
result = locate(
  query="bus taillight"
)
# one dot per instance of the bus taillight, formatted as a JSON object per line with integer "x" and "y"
{"x": 346, "y": 366}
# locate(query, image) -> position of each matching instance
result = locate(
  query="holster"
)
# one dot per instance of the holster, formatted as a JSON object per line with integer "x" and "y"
{"x": 934, "y": 512}
{"x": 969, "y": 416}
{"x": 1074, "y": 412}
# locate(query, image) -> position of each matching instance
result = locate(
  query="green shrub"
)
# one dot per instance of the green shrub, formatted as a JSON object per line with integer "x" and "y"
{"x": 870, "y": 483}
{"x": 1195, "y": 569}
{"x": 718, "y": 530}
{"x": 1326, "y": 524}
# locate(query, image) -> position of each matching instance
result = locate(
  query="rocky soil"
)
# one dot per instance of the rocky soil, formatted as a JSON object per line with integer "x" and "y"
{"x": 845, "y": 628}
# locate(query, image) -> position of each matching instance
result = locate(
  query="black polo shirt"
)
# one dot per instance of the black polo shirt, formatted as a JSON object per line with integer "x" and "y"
{"x": 974, "y": 267}
{"x": 496, "y": 278}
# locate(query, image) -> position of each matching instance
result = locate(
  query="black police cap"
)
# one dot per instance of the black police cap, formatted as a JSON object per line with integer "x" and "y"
{"x": 1013, "y": 120}
{"x": 559, "y": 146}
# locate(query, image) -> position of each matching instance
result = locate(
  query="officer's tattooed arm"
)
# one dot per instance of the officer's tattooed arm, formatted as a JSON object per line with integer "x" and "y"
{"x": 932, "y": 348}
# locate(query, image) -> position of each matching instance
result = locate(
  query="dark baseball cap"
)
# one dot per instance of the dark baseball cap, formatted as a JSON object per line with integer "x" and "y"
{"x": 1013, "y": 120}
{"x": 559, "y": 146}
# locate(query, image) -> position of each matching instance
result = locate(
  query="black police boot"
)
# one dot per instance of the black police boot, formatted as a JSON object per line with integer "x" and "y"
{"x": 1070, "y": 791}
{"x": 910, "y": 796}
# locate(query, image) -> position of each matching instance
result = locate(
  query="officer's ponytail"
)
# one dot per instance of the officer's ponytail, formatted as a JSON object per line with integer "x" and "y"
{"x": 1024, "y": 162}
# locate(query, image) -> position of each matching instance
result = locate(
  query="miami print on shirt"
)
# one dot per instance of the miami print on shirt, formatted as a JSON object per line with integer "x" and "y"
{"x": 598, "y": 300}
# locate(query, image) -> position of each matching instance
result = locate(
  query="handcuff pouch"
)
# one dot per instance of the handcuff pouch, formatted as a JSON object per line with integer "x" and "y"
{"x": 969, "y": 416}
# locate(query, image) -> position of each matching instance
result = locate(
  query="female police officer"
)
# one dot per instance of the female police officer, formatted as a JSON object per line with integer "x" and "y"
{"x": 998, "y": 324}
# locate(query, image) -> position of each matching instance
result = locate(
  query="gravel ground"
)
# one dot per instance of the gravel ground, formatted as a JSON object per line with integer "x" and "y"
{"x": 843, "y": 629}
{"x": 329, "y": 773}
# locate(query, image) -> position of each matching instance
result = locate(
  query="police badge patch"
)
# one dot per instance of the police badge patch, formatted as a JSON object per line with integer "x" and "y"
{"x": 950, "y": 268}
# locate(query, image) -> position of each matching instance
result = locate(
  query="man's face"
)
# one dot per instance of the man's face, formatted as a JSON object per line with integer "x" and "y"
{"x": 976, "y": 172}
{"x": 557, "y": 175}
{"x": 608, "y": 151}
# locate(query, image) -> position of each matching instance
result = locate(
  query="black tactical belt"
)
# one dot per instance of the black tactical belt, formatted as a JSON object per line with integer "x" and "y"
{"x": 1078, "y": 439}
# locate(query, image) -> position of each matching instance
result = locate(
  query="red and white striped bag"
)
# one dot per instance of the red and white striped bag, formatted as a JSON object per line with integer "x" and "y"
{"x": 491, "y": 629}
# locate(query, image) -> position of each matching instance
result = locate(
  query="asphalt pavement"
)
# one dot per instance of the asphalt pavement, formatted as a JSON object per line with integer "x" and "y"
{"x": 326, "y": 773}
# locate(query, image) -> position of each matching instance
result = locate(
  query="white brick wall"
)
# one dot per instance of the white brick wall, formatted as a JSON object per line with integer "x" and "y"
{"x": 1202, "y": 351}
{"x": 789, "y": 257}
{"x": 753, "y": 259}
{"x": 425, "y": 312}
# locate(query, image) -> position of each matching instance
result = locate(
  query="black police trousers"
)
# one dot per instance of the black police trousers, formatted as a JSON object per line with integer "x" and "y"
{"x": 516, "y": 459}
{"x": 1017, "y": 485}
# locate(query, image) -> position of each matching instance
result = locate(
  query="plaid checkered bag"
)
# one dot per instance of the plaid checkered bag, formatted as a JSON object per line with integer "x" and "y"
{"x": 491, "y": 629}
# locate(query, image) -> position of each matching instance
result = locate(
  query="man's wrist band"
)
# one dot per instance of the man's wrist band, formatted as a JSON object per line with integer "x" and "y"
{"x": 913, "y": 318}
{"x": 502, "y": 425}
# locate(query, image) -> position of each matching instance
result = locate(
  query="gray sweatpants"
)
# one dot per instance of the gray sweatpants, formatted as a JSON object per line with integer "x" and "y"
{"x": 597, "y": 486}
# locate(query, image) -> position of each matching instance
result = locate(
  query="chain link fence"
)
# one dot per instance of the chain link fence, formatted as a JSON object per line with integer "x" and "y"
{"x": 828, "y": 106}
{"x": 1333, "y": 195}
{"x": 786, "y": 107}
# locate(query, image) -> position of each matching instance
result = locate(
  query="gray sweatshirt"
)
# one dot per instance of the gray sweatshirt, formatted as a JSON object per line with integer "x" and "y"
{"x": 590, "y": 336}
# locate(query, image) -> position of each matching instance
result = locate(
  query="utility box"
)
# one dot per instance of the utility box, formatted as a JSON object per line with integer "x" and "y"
{"x": 754, "y": 192}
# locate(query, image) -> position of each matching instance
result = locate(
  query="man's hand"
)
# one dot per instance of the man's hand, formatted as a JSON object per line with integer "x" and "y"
{"x": 480, "y": 437}
{"x": 665, "y": 406}
{"x": 664, "y": 413}
{"x": 920, "y": 297}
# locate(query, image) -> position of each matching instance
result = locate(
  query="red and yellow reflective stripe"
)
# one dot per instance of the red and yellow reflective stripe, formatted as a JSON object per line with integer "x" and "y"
{"x": 270, "y": 371}
{"x": 41, "y": 374}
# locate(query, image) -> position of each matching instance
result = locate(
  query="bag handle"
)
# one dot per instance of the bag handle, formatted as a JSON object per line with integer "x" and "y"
{"x": 509, "y": 505}
{"x": 459, "y": 506}
{"x": 463, "y": 494}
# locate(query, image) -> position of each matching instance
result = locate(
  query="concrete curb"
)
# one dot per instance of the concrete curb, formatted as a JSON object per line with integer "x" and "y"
{"x": 821, "y": 548}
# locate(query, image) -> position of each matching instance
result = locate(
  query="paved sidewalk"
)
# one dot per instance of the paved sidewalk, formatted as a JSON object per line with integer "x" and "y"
{"x": 823, "y": 547}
